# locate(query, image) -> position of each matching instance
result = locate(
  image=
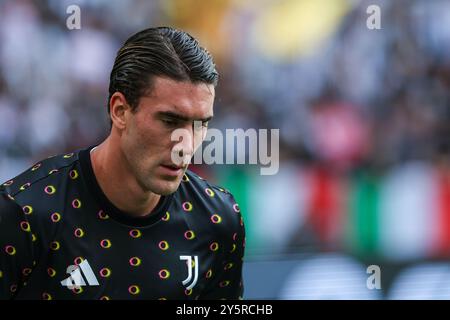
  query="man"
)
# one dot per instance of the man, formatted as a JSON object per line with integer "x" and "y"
{"x": 123, "y": 220}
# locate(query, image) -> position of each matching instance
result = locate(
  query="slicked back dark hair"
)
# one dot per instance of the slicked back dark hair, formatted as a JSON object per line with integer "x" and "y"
{"x": 161, "y": 51}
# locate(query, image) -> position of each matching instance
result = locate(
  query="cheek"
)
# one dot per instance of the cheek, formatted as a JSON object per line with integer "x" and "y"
{"x": 151, "y": 139}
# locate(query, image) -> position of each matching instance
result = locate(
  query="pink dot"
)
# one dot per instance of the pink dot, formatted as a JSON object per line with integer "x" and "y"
{"x": 133, "y": 289}
{"x": 187, "y": 206}
{"x": 24, "y": 186}
{"x": 214, "y": 246}
{"x": 10, "y": 250}
{"x": 163, "y": 274}
{"x": 105, "y": 272}
{"x": 25, "y": 226}
{"x": 102, "y": 215}
{"x": 189, "y": 235}
{"x": 163, "y": 245}
{"x": 76, "y": 203}
{"x": 55, "y": 217}
{"x": 49, "y": 190}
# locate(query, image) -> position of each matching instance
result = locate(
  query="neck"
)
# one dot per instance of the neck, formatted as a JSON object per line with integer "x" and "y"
{"x": 118, "y": 183}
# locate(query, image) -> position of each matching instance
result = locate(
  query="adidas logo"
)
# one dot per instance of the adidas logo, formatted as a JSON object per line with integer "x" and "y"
{"x": 76, "y": 280}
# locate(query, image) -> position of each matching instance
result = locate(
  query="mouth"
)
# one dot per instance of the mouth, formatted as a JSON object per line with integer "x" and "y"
{"x": 171, "y": 169}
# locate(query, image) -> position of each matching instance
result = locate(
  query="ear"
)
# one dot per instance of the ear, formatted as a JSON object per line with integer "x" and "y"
{"x": 118, "y": 110}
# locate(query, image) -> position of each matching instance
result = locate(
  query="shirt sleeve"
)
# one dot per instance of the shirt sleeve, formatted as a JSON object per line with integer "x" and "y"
{"x": 227, "y": 281}
{"x": 16, "y": 247}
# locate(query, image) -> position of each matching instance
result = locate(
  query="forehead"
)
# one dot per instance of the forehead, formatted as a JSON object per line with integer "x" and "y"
{"x": 186, "y": 98}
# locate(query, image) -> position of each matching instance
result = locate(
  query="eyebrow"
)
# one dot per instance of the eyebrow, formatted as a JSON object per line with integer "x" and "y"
{"x": 180, "y": 117}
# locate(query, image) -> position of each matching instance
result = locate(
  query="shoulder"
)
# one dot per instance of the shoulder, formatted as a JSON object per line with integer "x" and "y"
{"x": 219, "y": 203}
{"x": 212, "y": 193}
{"x": 48, "y": 169}
{"x": 7, "y": 204}
{"x": 40, "y": 193}
{"x": 43, "y": 186}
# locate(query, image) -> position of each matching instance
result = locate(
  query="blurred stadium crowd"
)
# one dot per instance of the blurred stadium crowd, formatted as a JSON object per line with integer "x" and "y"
{"x": 364, "y": 115}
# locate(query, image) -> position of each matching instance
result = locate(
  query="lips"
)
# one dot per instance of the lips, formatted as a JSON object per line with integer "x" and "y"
{"x": 172, "y": 166}
{"x": 171, "y": 170}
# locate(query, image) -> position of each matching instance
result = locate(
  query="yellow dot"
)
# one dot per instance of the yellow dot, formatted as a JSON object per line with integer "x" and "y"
{"x": 79, "y": 233}
{"x": 8, "y": 183}
{"x": 55, "y": 245}
{"x": 10, "y": 250}
{"x": 55, "y": 217}
{"x": 189, "y": 235}
{"x": 76, "y": 203}
{"x": 214, "y": 246}
{"x": 163, "y": 245}
{"x": 46, "y": 296}
{"x": 135, "y": 233}
{"x": 228, "y": 266}
{"x": 135, "y": 262}
{"x": 215, "y": 218}
{"x": 26, "y": 271}
{"x": 73, "y": 174}
{"x": 105, "y": 243}
{"x": 27, "y": 209}
{"x": 49, "y": 190}
{"x": 102, "y": 215}
{"x": 78, "y": 290}
{"x": 134, "y": 290}
{"x": 166, "y": 217}
{"x": 24, "y": 186}
{"x": 209, "y": 192}
{"x": 187, "y": 206}
{"x": 105, "y": 273}
{"x": 164, "y": 274}
{"x": 25, "y": 226}
{"x": 51, "y": 272}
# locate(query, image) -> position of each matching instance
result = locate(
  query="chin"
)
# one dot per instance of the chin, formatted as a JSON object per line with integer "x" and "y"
{"x": 165, "y": 188}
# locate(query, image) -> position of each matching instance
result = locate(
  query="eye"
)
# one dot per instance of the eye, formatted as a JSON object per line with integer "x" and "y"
{"x": 170, "y": 122}
{"x": 204, "y": 125}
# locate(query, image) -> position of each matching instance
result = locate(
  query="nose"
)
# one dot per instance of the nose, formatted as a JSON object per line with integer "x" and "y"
{"x": 183, "y": 149}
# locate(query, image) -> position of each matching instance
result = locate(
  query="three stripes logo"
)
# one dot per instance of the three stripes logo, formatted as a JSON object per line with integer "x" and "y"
{"x": 188, "y": 260}
{"x": 76, "y": 280}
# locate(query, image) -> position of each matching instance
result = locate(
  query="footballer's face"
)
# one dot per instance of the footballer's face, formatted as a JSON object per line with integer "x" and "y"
{"x": 147, "y": 140}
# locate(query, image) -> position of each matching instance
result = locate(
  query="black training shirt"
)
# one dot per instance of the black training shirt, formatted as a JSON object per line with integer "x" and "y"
{"x": 61, "y": 238}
